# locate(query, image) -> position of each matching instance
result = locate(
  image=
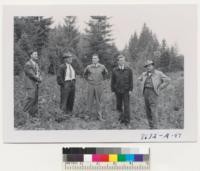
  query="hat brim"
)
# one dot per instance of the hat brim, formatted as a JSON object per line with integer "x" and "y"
{"x": 67, "y": 57}
{"x": 148, "y": 64}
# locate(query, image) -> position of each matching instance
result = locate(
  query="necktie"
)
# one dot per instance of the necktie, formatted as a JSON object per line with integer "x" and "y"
{"x": 70, "y": 72}
{"x": 36, "y": 68}
{"x": 149, "y": 74}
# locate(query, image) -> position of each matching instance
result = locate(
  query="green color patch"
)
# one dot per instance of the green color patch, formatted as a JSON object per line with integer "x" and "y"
{"x": 121, "y": 157}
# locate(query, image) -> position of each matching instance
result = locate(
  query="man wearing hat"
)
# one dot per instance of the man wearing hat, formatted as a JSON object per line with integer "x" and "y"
{"x": 122, "y": 85}
{"x": 153, "y": 81}
{"x": 95, "y": 74}
{"x": 32, "y": 80}
{"x": 66, "y": 79}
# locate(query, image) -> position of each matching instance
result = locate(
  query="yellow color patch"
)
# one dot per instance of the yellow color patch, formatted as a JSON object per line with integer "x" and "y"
{"x": 112, "y": 157}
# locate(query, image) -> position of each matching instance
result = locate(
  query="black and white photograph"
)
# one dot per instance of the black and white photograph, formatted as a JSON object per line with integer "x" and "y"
{"x": 102, "y": 67}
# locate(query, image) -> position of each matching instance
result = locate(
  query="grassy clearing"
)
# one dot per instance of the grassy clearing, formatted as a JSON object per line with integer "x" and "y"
{"x": 170, "y": 108}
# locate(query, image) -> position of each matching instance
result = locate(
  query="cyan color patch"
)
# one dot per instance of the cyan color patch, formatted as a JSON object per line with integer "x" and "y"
{"x": 130, "y": 157}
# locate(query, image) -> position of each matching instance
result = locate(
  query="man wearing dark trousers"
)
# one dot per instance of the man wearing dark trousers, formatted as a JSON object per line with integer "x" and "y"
{"x": 66, "y": 79}
{"x": 122, "y": 85}
{"x": 153, "y": 82}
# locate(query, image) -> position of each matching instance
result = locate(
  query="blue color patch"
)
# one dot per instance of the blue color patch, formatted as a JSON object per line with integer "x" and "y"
{"x": 130, "y": 157}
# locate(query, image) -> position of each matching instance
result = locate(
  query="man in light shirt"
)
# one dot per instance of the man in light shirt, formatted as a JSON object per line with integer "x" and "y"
{"x": 95, "y": 74}
{"x": 66, "y": 79}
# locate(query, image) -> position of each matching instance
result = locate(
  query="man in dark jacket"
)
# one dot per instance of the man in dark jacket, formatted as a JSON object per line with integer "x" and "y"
{"x": 122, "y": 85}
{"x": 66, "y": 79}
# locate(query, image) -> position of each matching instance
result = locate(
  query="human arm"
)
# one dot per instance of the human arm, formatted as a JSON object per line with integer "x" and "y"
{"x": 140, "y": 78}
{"x": 113, "y": 81}
{"x": 60, "y": 80}
{"x": 165, "y": 81}
{"x": 86, "y": 73}
{"x": 130, "y": 80}
{"x": 104, "y": 72}
{"x": 29, "y": 71}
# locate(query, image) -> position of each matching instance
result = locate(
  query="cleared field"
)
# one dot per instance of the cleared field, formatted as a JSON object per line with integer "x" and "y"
{"x": 170, "y": 109}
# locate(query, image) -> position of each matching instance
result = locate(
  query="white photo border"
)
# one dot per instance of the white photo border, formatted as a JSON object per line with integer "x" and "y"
{"x": 188, "y": 134}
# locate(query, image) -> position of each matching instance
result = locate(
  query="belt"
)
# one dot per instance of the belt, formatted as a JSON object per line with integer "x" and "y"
{"x": 73, "y": 80}
{"x": 148, "y": 88}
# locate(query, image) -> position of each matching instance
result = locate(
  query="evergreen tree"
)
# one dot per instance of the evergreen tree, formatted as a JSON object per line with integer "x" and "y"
{"x": 71, "y": 33}
{"x": 163, "y": 46}
{"x": 164, "y": 60}
{"x": 147, "y": 46}
{"x": 25, "y": 43}
{"x": 40, "y": 38}
{"x": 20, "y": 57}
{"x": 18, "y": 28}
{"x": 35, "y": 27}
{"x": 56, "y": 47}
{"x": 30, "y": 33}
{"x": 155, "y": 52}
{"x": 144, "y": 39}
{"x": 62, "y": 39}
{"x": 99, "y": 37}
{"x": 156, "y": 43}
{"x": 133, "y": 47}
{"x": 176, "y": 61}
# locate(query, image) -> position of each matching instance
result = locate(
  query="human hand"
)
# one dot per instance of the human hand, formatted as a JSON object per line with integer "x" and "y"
{"x": 160, "y": 89}
{"x": 39, "y": 79}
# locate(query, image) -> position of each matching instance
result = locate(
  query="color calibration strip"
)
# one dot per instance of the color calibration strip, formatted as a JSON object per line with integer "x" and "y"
{"x": 102, "y": 159}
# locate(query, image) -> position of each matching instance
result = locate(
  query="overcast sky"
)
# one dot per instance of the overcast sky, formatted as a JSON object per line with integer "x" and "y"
{"x": 176, "y": 23}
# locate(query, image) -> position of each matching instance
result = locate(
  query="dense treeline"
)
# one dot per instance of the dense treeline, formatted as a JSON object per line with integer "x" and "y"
{"x": 29, "y": 33}
{"x": 36, "y": 33}
{"x": 146, "y": 46}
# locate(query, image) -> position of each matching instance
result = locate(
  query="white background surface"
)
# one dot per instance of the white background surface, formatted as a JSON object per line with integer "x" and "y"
{"x": 187, "y": 16}
{"x": 47, "y": 157}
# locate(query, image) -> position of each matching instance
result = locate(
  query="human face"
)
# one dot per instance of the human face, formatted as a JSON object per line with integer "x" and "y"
{"x": 68, "y": 60}
{"x": 34, "y": 56}
{"x": 150, "y": 68}
{"x": 121, "y": 61}
{"x": 95, "y": 59}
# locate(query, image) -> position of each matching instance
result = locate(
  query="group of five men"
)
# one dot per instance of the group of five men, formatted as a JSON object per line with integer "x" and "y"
{"x": 153, "y": 81}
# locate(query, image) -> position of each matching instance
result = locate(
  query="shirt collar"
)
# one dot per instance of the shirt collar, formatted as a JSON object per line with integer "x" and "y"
{"x": 96, "y": 65}
{"x": 67, "y": 64}
{"x": 121, "y": 67}
{"x": 33, "y": 62}
{"x": 150, "y": 72}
